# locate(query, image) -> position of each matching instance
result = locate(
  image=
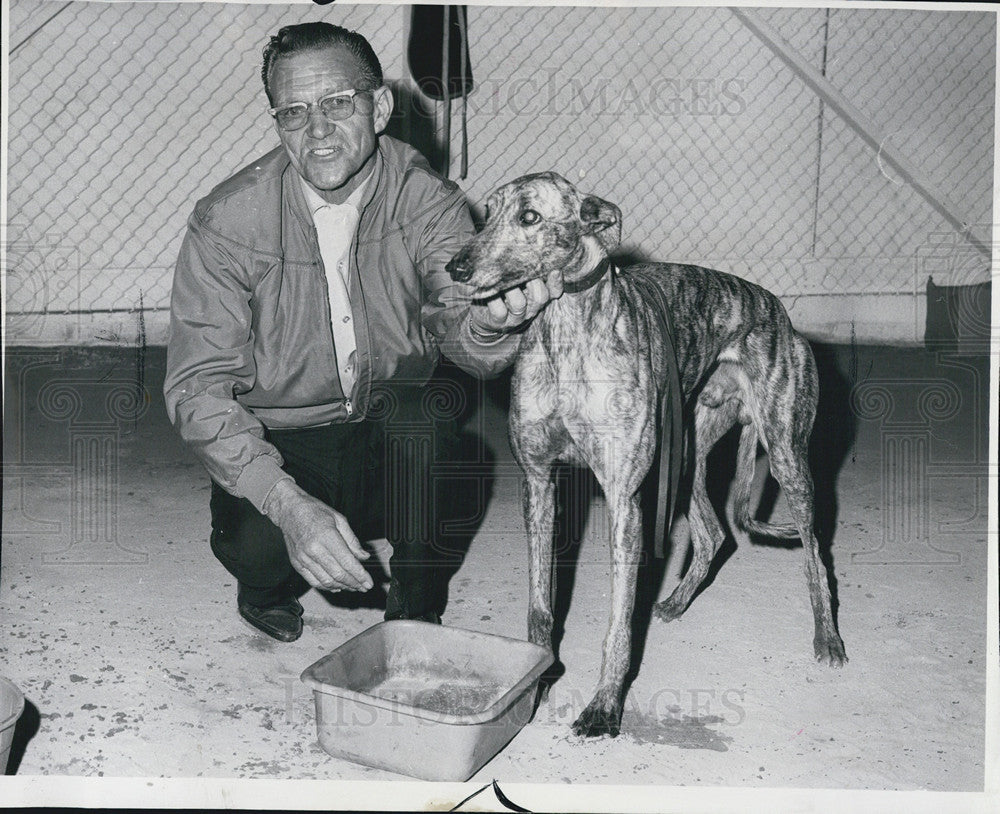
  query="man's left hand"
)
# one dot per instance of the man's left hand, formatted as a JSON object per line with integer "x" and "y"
{"x": 514, "y": 307}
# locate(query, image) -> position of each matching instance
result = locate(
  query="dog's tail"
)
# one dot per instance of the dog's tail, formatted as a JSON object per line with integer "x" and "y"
{"x": 746, "y": 459}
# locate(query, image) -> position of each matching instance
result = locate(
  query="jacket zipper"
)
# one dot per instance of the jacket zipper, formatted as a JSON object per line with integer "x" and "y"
{"x": 365, "y": 397}
{"x": 329, "y": 316}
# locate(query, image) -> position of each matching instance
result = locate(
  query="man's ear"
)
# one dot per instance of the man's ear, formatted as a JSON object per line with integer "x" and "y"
{"x": 603, "y": 220}
{"x": 383, "y": 106}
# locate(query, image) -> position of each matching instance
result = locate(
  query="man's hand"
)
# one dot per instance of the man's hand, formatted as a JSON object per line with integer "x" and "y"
{"x": 516, "y": 306}
{"x": 321, "y": 545}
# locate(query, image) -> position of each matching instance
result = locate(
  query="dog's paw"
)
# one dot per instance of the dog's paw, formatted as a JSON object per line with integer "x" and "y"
{"x": 830, "y": 650}
{"x": 667, "y": 611}
{"x": 597, "y": 720}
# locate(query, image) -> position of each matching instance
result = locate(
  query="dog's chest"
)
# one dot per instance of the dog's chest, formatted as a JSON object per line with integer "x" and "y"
{"x": 571, "y": 377}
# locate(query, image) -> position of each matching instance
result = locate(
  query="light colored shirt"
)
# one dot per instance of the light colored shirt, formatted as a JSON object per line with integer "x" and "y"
{"x": 336, "y": 227}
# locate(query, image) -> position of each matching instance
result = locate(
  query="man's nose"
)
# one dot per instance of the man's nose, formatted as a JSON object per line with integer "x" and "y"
{"x": 318, "y": 125}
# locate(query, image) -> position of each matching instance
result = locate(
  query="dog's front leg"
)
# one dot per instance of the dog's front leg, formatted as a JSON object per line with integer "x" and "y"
{"x": 539, "y": 514}
{"x": 602, "y": 716}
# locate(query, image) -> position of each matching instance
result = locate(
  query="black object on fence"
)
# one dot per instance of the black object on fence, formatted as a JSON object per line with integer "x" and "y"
{"x": 438, "y": 56}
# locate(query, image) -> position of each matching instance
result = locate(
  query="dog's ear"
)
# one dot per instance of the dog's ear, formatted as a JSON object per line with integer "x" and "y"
{"x": 603, "y": 220}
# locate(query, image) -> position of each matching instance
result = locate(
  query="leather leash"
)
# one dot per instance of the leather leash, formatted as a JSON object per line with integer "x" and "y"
{"x": 671, "y": 412}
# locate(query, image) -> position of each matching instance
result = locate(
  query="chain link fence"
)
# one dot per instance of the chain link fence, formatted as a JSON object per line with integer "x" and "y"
{"x": 122, "y": 115}
{"x": 718, "y": 153}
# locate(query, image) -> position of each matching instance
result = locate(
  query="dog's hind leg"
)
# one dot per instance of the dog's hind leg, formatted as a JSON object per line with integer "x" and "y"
{"x": 786, "y": 427}
{"x": 711, "y": 422}
{"x": 789, "y": 468}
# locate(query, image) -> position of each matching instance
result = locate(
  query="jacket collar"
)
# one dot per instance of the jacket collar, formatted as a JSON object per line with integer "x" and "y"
{"x": 314, "y": 201}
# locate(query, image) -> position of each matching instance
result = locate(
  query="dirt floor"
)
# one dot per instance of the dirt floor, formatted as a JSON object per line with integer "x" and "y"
{"x": 121, "y": 628}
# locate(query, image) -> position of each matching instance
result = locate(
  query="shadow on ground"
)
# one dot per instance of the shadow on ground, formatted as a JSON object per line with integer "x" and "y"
{"x": 26, "y": 728}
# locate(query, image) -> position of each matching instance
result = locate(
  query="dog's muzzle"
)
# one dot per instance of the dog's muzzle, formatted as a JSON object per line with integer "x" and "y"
{"x": 460, "y": 267}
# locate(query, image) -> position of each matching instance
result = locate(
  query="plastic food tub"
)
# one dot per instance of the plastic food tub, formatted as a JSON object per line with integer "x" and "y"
{"x": 424, "y": 700}
{"x": 11, "y": 707}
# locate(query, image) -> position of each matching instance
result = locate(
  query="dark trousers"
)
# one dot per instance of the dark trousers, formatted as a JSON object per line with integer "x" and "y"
{"x": 379, "y": 474}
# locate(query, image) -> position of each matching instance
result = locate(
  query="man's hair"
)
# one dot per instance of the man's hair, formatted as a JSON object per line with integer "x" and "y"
{"x": 293, "y": 39}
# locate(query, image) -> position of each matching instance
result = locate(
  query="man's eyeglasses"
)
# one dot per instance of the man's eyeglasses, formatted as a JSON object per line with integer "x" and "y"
{"x": 336, "y": 107}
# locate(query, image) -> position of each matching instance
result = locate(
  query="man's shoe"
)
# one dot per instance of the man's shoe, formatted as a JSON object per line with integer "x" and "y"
{"x": 281, "y": 621}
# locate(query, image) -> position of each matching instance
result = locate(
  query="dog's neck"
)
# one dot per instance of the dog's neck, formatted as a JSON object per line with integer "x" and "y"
{"x": 589, "y": 280}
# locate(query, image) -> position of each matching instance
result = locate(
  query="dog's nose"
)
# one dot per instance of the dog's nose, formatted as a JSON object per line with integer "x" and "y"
{"x": 460, "y": 267}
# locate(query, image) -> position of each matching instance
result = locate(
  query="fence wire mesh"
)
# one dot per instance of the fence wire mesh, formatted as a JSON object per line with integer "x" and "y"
{"x": 122, "y": 115}
{"x": 718, "y": 153}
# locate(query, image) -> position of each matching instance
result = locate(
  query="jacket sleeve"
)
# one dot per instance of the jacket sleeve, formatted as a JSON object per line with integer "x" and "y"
{"x": 440, "y": 232}
{"x": 210, "y": 361}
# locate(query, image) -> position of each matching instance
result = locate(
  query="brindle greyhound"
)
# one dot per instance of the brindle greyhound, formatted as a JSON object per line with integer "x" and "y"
{"x": 589, "y": 376}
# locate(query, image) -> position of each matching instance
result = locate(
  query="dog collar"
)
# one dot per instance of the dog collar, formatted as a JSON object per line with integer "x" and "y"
{"x": 590, "y": 280}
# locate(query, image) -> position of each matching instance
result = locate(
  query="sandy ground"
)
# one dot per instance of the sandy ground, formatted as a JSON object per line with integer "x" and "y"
{"x": 135, "y": 663}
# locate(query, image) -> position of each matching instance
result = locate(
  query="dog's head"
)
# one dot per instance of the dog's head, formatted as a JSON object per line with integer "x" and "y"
{"x": 534, "y": 225}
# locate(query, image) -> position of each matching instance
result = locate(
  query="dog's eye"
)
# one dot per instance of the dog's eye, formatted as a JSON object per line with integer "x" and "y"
{"x": 529, "y": 217}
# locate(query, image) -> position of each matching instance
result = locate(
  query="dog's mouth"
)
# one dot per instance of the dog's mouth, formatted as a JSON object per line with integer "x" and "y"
{"x": 483, "y": 295}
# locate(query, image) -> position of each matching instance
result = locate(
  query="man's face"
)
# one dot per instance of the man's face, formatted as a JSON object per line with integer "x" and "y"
{"x": 332, "y": 156}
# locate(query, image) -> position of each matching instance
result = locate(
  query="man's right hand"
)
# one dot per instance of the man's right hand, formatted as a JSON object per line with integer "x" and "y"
{"x": 516, "y": 306}
{"x": 321, "y": 545}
